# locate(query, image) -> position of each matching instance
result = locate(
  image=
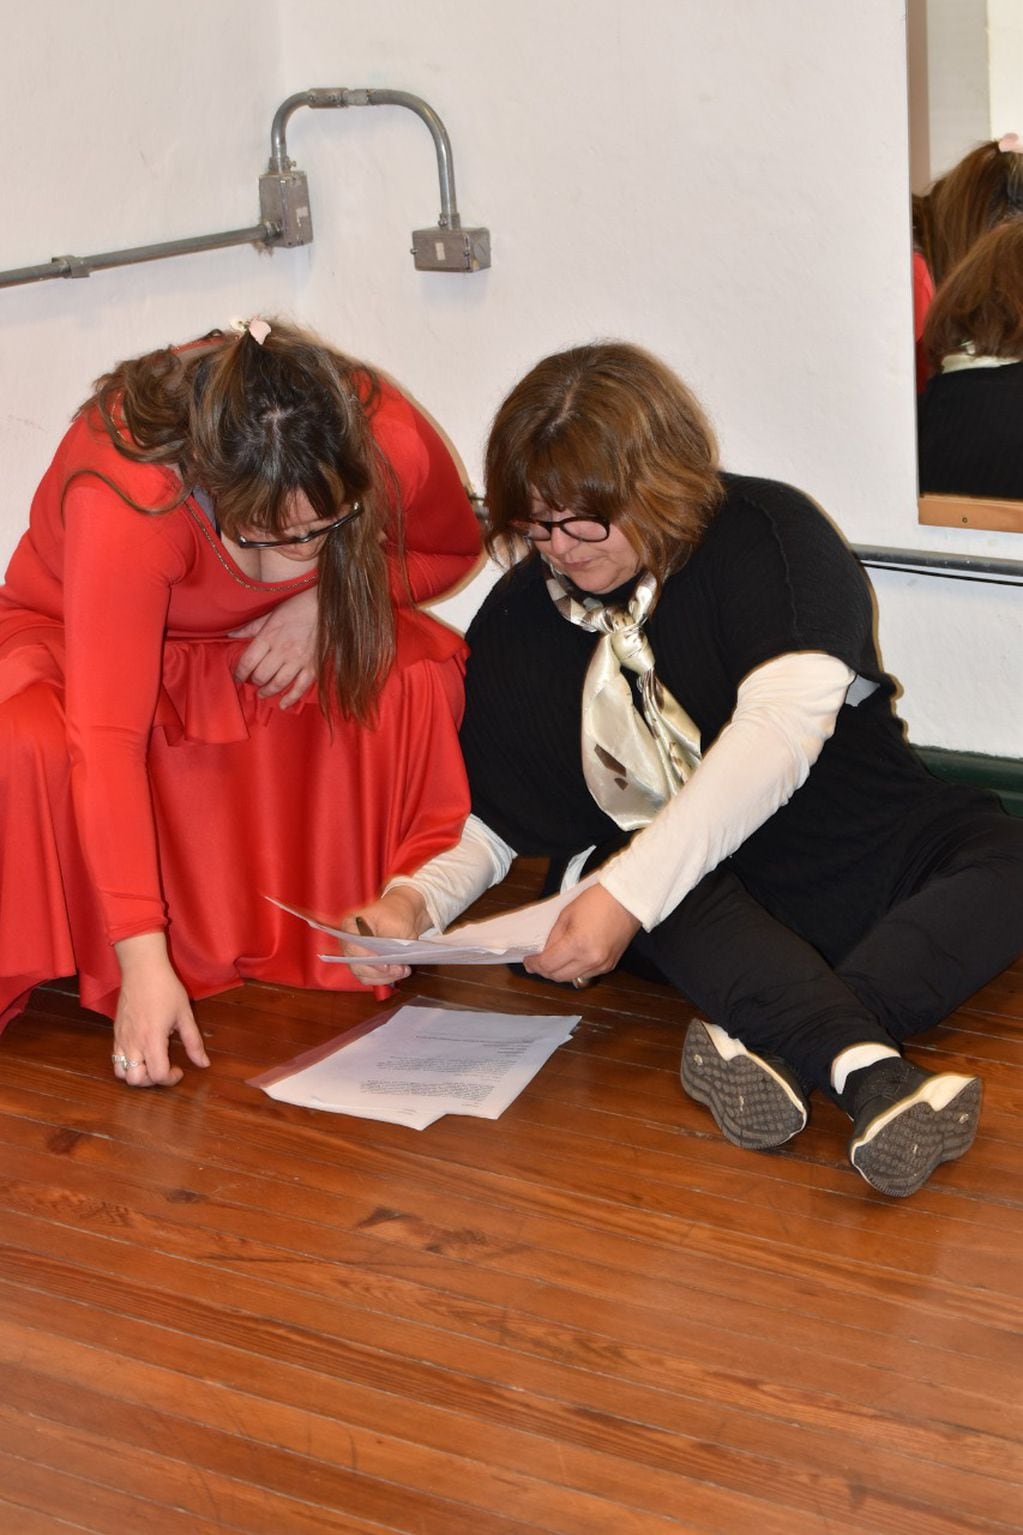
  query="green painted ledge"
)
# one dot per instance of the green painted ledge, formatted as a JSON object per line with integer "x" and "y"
{"x": 1002, "y": 774}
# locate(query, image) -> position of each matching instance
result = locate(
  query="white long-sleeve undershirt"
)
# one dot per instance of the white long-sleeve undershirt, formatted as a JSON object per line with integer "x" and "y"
{"x": 454, "y": 879}
{"x": 785, "y": 711}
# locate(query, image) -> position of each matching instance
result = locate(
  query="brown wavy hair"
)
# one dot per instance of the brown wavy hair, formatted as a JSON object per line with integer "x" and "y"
{"x": 983, "y": 190}
{"x": 608, "y": 431}
{"x": 251, "y": 424}
{"x": 980, "y": 303}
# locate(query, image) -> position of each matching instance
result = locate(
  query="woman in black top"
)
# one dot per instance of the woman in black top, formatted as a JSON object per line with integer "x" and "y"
{"x": 676, "y": 683}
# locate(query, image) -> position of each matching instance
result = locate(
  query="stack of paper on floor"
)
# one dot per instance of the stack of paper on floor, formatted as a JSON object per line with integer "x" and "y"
{"x": 419, "y": 1061}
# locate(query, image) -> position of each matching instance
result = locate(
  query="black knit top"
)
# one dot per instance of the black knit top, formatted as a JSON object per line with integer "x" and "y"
{"x": 771, "y": 577}
{"x": 970, "y": 433}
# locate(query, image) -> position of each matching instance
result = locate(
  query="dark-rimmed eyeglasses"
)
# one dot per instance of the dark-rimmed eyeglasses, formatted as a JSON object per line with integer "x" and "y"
{"x": 299, "y": 538}
{"x": 585, "y": 530}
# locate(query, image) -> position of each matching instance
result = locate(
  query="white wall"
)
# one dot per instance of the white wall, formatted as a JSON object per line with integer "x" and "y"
{"x": 966, "y": 79}
{"x": 722, "y": 180}
{"x": 958, "y": 80}
{"x": 124, "y": 124}
{"x": 1005, "y": 65}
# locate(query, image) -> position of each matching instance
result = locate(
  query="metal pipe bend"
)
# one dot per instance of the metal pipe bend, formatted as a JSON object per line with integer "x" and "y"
{"x": 335, "y": 96}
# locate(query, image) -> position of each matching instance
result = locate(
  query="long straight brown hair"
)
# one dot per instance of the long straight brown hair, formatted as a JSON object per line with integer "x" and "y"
{"x": 253, "y": 423}
{"x": 605, "y": 430}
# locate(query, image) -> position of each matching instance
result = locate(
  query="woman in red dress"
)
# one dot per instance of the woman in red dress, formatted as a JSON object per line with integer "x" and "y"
{"x": 173, "y": 746}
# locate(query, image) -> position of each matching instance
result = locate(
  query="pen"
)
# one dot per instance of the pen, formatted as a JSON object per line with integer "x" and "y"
{"x": 363, "y": 927}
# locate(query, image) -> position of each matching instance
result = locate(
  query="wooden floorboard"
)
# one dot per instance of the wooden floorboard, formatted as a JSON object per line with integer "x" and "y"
{"x": 590, "y": 1317}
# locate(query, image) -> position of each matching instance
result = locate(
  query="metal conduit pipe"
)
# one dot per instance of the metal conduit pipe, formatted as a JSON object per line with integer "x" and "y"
{"x": 84, "y": 266}
{"x": 342, "y": 96}
{"x": 284, "y": 205}
{"x": 930, "y": 562}
{"x": 284, "y": 191}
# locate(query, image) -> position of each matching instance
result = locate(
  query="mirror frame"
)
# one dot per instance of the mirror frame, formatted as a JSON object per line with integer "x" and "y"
{"x": 934, "y": 510}
{"x": 970, "y": 512}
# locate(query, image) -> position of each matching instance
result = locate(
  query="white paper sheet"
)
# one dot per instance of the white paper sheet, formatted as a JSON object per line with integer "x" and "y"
{"x": 424, "y": 1061}
{"x": 503, "y": 939}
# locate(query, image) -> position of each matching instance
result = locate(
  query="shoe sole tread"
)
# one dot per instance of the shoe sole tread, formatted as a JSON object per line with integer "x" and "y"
{"x": 750, "y": 1105}
{"x": 898, "y": 1157}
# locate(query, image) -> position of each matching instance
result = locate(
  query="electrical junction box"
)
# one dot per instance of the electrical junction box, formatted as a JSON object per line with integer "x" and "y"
{"x": 451, "y": 250}
{"x": 284, "y": 201}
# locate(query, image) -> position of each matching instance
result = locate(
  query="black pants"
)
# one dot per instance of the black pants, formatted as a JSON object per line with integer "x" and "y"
{"x": 952, "y": 919}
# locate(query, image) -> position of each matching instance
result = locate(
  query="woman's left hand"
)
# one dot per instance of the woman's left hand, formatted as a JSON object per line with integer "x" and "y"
{"x": 281, "y": 655}
{"x": 588, "y": 938}
{"x": 152, "y": 1006}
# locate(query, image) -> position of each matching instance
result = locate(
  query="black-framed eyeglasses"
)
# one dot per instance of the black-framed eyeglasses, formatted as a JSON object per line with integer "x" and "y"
{"x": 299, "y": 538}
{"x": 585, "y": 530}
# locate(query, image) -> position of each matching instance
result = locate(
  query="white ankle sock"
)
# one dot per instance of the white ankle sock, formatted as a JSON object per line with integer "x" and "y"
{"x": 854, "y": 1058}
{"x": 725, "y": 1044}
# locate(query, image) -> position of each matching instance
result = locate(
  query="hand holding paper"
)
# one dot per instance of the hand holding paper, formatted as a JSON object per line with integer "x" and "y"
{"x": 401, "y": 913}
{"x": 588, "y": 938}
{"x": 504, "y": 939}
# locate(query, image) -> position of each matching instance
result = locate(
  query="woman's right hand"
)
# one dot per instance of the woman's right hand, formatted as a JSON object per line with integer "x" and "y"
{"x": 281, "y": 654}
{"x": 152, "y": 1006}
{"x": 400, "y": 913}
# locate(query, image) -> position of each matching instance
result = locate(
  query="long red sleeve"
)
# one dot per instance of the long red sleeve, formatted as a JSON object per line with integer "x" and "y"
{"x": 442, "y": 539}
{"x": 118, "y": 571}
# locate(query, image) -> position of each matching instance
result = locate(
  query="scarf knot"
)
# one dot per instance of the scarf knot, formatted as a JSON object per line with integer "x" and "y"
{"x": 634, "y": 760}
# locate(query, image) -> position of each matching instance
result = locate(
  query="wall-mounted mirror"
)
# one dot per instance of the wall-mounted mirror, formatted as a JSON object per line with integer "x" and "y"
{"x": 966, "y": 170}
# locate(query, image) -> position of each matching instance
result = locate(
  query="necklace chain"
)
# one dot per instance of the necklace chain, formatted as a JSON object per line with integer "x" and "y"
{"x": 232, "y": 570}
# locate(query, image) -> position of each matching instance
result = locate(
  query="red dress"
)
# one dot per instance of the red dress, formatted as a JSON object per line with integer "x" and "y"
{"x": 142, "y": 788}
{"x": 923, "y": 292}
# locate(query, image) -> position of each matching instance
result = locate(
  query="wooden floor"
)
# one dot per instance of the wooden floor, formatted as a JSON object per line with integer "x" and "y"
{"x": 592, "y": 1316}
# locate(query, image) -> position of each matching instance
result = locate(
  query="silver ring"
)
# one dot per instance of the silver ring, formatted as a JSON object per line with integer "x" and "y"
{"x": 579, "y": 982}
{"x": 124, "y": 1063}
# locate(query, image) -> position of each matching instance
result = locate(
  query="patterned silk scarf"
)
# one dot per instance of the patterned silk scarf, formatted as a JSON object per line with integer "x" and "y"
{"x": 633, "y": 762}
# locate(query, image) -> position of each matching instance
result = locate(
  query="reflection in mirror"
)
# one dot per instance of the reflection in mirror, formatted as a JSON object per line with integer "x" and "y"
{"x": 970, "y": 414}
{"x": 966, "y": 88}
